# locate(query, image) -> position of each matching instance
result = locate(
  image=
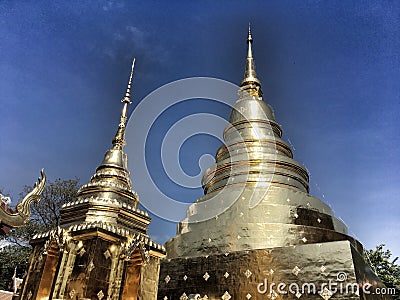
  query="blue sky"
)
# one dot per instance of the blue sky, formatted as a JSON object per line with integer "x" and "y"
{"x": 330, "y": 70}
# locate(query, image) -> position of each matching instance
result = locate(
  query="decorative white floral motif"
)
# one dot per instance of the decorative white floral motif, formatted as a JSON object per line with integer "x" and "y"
{"x": 296, "y": 270}
{"x": 107, "y": 254}
{"x": 206, "y": 276}
{"x": 326, "y": 294}
{"x": 100, "y": 295}
{"x": 271, "y": 272}
{"x": 226, "y": 296}
{"x": 91, "y": 266}
{"x": 167, "y": 279}
{"x": 184, "y": 297}
{"x": 81, "y": 252}
{"x": 248, "y": 273}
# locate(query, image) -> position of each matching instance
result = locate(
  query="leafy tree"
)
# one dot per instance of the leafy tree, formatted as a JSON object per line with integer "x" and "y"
{"x": 385, "y": 267}
{"x": 45, "y": 215}
{"x": 12, "y": 257}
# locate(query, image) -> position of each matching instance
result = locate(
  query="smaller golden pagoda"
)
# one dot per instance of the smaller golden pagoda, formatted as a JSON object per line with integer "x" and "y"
{"x": 101, "y": 250}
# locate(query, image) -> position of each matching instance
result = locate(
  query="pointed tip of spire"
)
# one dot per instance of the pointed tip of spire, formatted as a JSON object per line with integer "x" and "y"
{"x": 127, "y": 98}
{"x": 250, "y": 76}
{"x": 119, "y": 139}
{"x": 249, "y": 37}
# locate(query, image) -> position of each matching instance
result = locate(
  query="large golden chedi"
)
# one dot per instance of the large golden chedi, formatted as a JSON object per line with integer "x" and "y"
{"x": 257, "y": 222}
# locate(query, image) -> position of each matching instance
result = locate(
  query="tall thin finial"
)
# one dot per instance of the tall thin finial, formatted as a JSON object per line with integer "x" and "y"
{"x": 249, "y": 35}
{"x": 127, "y": 97}
{"x": 119, "y": 139}
{"x": 249, "y": 42}
{"x": 250, "y": 76}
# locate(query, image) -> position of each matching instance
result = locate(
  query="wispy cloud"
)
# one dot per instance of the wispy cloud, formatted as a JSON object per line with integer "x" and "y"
{"x": 136, "y": 34}
{"x": 109, "y": 5}
{"x": 143, "y": 43}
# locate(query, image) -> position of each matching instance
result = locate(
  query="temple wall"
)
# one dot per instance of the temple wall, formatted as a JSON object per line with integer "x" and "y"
{"x": 149, "y": 279}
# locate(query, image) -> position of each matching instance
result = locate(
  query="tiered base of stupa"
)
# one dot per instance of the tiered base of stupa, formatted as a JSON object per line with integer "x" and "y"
{"x": 330, "y": 270}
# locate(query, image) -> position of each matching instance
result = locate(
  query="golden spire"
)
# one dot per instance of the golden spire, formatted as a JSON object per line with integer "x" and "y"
{"x": 250, "y": 76}
{"x": 119, "y": 139}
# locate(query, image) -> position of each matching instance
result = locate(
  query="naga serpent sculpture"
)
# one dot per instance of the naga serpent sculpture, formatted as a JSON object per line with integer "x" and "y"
{"x": 10, "y": 219}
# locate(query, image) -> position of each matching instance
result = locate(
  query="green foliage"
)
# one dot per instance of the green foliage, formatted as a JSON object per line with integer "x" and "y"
{"x": 45, "y": 215}
{"x": 11, "y": 257}
{"x": 385, "y": 267}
